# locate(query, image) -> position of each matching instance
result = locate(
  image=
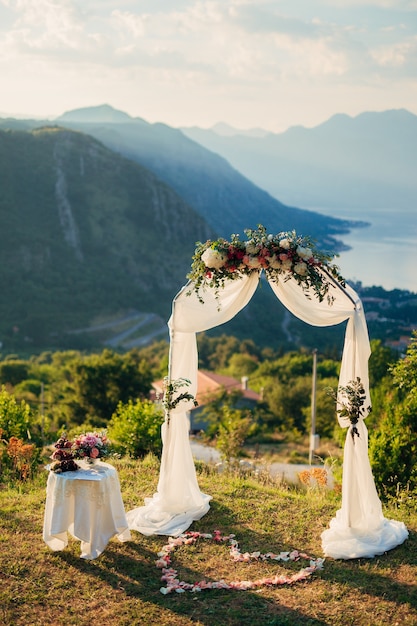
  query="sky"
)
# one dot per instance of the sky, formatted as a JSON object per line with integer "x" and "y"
{"x": 268, "y": 64}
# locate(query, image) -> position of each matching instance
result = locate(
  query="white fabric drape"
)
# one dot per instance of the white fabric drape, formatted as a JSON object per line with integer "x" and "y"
{"x": 345, "y": 305}
{"x": 179, "y": 501}
{"x": 359, "y": 528}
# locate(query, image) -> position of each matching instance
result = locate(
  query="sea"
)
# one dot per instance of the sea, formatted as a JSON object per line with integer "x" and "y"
{"x": 384, "y": 253}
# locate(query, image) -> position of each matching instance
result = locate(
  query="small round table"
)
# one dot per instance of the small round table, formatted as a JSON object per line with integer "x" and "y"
{"x": 88, "y": 504}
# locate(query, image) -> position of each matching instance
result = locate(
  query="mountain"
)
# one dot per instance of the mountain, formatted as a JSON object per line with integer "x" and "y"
{"x": 226, "y": 130}
{"x": 97, "y": 239}
{"x": 227, "y": 200}
{"x": 85, "y": 233}
{"x": 362, "y": 162}
{"x": 102, "y": 114}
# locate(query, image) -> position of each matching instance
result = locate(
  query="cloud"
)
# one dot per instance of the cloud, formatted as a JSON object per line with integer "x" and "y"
{"x": 399, "y": 57}
{"x": 265, "y": 19}
{"x": 234, "y": 51}
{"x": 406, "y": 5}
{"x": 229, "y": 39}
{"x": 46, "y": 27}
{"x": 236, "y": 40}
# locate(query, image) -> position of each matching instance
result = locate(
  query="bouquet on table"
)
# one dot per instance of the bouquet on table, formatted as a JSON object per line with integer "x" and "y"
{"x": 88, "y": 447}
{"x": 62, "y": 457}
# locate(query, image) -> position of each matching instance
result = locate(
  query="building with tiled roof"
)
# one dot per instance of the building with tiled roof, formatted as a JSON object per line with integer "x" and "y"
{"x": 210, "y": 385}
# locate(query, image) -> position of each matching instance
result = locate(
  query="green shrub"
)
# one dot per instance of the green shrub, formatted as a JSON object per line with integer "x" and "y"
{"x": 234, "y": 427}
{"x": 393, "y": 444}
{"x": 14, "y": 417}
{"x": 393, "y": 453}
{"x": 135, "y": 428}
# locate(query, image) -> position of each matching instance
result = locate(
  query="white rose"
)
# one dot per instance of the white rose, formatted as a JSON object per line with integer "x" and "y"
{"x": 285, "y": 243}
{"x": 213, "y": 258}
{"x": 300, "y": 268}
{"x": 304, "y": 253}
{"x": 286, "y": 265}
{"x": 251, "y": 248}
{"x": 252, "y": 261}
{"x": 274, "y": 262}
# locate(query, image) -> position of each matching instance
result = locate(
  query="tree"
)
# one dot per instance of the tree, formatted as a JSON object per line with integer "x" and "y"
{"x": 288, "y": 401}
{"x": 214, "y": 353}
{"x": 326, "y": 420}
{"x": 13, "y": 372}
{"x": 101, "y": 381}
{"x": 233, "y": 429}
{"x": 241, "y": 365}
{"x": 382, "y": 357}
{"x": 155, "y": 355}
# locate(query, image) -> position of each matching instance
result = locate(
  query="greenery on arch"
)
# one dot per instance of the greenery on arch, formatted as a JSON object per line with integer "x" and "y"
{"x": 282, "y": 256}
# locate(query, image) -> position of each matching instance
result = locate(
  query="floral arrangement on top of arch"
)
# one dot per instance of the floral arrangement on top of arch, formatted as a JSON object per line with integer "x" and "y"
{"x": 285, "y": 255}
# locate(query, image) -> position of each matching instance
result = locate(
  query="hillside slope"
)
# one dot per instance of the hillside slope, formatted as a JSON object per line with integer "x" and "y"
{"x": 85, "y": 232}
{"x": 228, "y": 201}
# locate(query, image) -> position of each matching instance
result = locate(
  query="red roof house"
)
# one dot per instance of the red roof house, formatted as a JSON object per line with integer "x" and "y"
{"x": 209, "y": 385}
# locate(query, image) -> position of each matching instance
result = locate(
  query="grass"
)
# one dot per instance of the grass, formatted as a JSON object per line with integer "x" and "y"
{"x": 121, "y": 587}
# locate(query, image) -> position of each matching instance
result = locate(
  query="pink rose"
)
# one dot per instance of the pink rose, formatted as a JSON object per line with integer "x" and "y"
{"x": 94, "y": 453}
{"x": 90, "y": 440}
{"x": 251, "y": 261}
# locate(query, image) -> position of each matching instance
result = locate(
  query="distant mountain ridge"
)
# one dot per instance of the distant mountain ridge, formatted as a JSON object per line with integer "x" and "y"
{"x": 368, "y": 161}
{"x": 225, "y": 130}
{"x": 228, "y": 201}
{"x": 101, "y": 218}
{"x": 102, "y": 114}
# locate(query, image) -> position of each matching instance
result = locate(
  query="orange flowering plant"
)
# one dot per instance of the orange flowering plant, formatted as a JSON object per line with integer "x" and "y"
{"x": 17, "y": 458}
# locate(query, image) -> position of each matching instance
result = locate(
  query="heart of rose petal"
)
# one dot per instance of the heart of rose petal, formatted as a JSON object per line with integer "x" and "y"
{"x": 170, "y": 574}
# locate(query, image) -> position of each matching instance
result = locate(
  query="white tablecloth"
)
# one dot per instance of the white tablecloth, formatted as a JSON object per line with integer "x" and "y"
{"x": 88, "y": 504}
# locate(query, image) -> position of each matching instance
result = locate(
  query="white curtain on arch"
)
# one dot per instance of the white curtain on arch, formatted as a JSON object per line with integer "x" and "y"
{"x": 178, "y": 500}
{"x": 359, "y": 528}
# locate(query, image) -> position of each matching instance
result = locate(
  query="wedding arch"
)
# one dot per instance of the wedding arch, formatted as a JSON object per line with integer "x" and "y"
{"x": 223, "y": 279}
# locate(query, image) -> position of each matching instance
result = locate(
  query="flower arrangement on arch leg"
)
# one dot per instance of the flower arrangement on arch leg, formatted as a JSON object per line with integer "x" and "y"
{"x": 171, "y": 387}
{"x": 351, "y": 408}
{"x": 170, "y": 575}
{"x": 285, "y": 255}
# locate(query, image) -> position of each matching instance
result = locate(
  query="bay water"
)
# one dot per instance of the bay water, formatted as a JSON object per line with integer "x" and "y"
{"x": 384, "y": 253}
